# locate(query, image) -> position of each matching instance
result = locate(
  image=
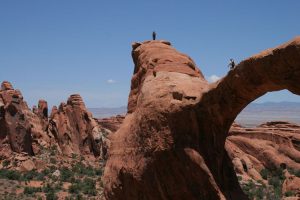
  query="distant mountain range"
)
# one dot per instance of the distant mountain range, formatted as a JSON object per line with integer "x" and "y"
{"x": 108, "y": 112}
{"x": 254, "y": 114}
{"x": 257, "y": 113}
{"x": 273, "y": 106}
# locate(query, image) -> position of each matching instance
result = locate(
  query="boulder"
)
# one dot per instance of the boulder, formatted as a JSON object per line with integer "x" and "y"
{"x": 27, "y": 165}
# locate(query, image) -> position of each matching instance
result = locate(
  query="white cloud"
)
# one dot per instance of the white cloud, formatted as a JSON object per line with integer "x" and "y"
{"x": 213, "y": 78}
{"x": 111, "y": 81}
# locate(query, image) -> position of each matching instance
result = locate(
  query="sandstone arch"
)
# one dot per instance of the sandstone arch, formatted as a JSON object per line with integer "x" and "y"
{"x": 171, "y": 144}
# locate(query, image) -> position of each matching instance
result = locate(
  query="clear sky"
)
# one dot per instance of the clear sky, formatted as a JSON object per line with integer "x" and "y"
{"x": 51, "y": 49}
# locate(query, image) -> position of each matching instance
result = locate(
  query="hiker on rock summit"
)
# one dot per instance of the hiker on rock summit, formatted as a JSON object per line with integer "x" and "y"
{"x": 153, "y": 35}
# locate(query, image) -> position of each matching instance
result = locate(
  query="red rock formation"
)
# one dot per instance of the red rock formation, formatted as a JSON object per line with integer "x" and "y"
{"x": 292, "y": 183}
{"x": 108, "y": 126}
{"x": 111, "y": 123}
{"x": 74, "y": 128}
{"x": 270, "y": 146}
{"x": 71, "y": 127}
{"x": 43, "y": 113}
{"x": 171, "y": 143}
{"x": 18, "y": 125}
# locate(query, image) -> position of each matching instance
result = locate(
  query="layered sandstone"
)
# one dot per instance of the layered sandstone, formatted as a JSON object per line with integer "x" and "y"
{"x": 270, "y": 145}
{"x": 171, "y": 143}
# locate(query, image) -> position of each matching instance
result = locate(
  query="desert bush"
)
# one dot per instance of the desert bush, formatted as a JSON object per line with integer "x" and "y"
{"x": 33, "y": 175}
{"x": 278, "y": 173}
{"x": 47, "y": 188}
{"x": 31, "y": 190}
{"x": 295, "y": 172}
{"x": 53, "y": 150}
{"x": 81, "y": 169}
{"x": 87, "y": 186}
{"x": 66, "y": 174}
{"x": 264, "y": 173}
{"x": 75, "y": 187}
{"x": 10, "y": 174}
{"x": 99, "y": 171}
{"x": 51, "y": 196}
{"x": 289, "y": 193}
{"x": 5, "y": 163}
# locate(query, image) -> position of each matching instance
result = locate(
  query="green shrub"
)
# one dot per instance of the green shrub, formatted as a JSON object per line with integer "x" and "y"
{"x": 81, "y": 169}
{"x": 259, "y": 193}
{"x": 5, "y": 163}
{"x": 239, "y": 178}
{"x": 31, "y": 190}
{"x": 275, "y": 181}
{"x": 264, "y": 173}
{"x": 51, "y": 196}
{"x": 297, "y": 173}
{"x": 74, "y": 188}
{"x": 66, "y": 174}
{"x": 99, "y": 171}
{"x": 53, "y": 150}
{"x": 33, "y": 175}
{"x": 89, "y": 186}
{"x": 278, "y": 173}
{"x": 277, "y": 192}
{"x": 79, "y": 197}
{"x": 47, "y": 188}
{"x": 289, "y": 193}
{"x": 10, "y": 174}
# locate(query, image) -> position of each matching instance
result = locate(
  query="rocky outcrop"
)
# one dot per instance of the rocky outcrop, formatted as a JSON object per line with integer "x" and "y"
{"x": 292, "y": 183}
{"x": 42, "y": 112}
{"x": 112, "y": 123}
{"x": 71, "y": 127}
{"x": 74, "y": 128}
{"x": 19, "y": 127}
{"x": 171, "y": 143}
{"x": 270, "y": 145}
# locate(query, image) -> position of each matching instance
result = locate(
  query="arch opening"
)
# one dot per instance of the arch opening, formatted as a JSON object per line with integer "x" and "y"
{"x": 273, "y": 106}
{"x": 264, "y": 146}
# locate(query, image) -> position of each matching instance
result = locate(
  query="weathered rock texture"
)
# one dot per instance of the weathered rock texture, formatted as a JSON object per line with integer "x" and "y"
{"x": 292, "y": 183}
{"x": 270, "y": 145}
{"x": 70, "y": 127}
{"x": 171, "y": 143}
{"x": 108, "y": 126}
{"x": 19, "y": 127}
{"x": 111, "y": 123}
{"x": 74, "y": 128}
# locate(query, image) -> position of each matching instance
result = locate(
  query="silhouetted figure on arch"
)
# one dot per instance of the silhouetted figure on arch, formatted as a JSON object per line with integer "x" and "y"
{"x": 231, "y": 64}
{"x": 153, "y": 35}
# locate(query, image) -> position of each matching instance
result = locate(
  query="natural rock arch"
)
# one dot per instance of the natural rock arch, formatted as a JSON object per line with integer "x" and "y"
{"x": 171, "y": 143}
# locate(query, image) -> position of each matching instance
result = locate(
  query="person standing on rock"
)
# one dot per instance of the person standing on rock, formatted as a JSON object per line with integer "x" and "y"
{"x": 231, "y": 64}
{"x": 153, "y": 35}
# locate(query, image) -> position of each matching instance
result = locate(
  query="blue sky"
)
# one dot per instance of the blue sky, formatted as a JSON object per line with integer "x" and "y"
{"x": 51, "y": 49}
